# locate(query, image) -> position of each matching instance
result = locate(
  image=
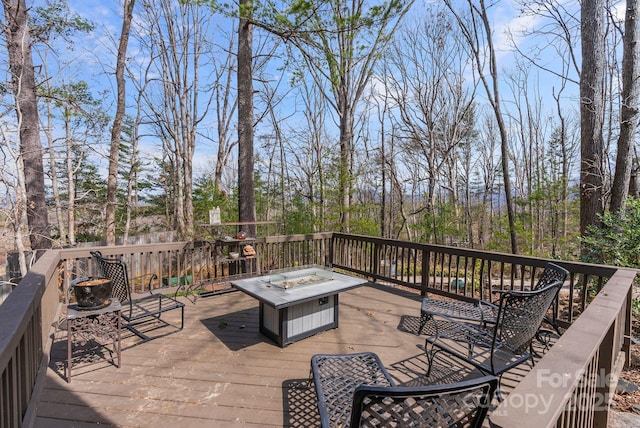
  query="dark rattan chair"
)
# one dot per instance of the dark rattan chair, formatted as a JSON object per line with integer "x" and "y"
{"x": 138, "y": 312}
{"x": 486, "y": 312}
{"x": 356, "y": 390}
{"x": 496, "y": 348}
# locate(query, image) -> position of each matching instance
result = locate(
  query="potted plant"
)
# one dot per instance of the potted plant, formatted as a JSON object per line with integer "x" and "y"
{"x": 92, "y": 292}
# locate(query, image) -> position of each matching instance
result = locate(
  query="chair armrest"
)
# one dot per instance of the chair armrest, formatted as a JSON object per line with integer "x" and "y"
{"x": 150, "y": 283}
{"x": 141, "y": 281}
{"x": 487, "y": 304}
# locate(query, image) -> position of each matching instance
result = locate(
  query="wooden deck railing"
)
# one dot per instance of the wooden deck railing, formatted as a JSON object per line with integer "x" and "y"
{"x": 464, "y": 273}
{"x": 572, "y": 385}
{"x": 571, "y": 382}
{"x": 26, "y": 318}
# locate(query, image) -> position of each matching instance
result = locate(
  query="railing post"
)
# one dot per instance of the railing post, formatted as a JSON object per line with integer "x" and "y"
{"x": 331, "y": 250}
{"x": 376, "y": 256}
{"x": 424, "y": 279}
{"x": 626, "y": 345}
{"x": 605, "y": 379}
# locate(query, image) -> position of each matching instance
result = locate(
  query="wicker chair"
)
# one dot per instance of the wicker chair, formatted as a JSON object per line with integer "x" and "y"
{"x": 138, "y": 312}
{"x": 486, "y": 312}
{"x": 494, "y": 349}
{"x": 356, "y": 390}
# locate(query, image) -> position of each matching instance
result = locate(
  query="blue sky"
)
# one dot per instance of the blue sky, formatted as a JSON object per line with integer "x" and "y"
{"x": 98, "y": 49}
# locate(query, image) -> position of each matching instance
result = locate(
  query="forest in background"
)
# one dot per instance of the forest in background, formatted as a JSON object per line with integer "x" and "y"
{"x": 392, "y": 119}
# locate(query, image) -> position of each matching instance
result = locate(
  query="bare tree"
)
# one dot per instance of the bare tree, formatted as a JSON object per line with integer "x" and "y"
{"x": 592, "y": 113}
{"x": 48, "y": 130}
{"x": 566, "y": 154}
{"x": 476, "y": 29}
{"x": 175, "y": 40}
{"x": 308, "y": 151}
{"x": 629, "y": 110}
{"x": 14, "y": 208}
{"x": 340, "y": 42}
{"x": 26, "y": 104}
{"x": 384, "y": 159}
{"x": 50, "y": 23}
{"x": 434, "y": 107}
{"x": 226, "y": 105}
{"x": 528, "y": 150}
{"x": 246, "y": 185}
{"x": 139, "y": 75}
{"x": 116, "y": 130}
{"x": 558, "y": 33}
{"x": 487, "y": 147}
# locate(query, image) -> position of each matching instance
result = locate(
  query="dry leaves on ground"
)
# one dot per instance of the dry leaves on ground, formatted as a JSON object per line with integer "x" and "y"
{"x": 626, "y": 402}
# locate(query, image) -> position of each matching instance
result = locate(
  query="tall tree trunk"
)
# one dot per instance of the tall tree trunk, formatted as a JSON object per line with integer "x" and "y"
{"x": 385, "y": 222}
{"x": 20, "y": 219}
{"x": 55, "y": 185}
{"x": 246, "y": 194}
{"x": 71, "y": 183}
{"x": 634, "y": 192}
{"x": 346, "y": 166}
{"x": 629, "y": 111}
{"x": 24, "y": 91}
{"x": 504, "y": 140}
{"x": 116, "y": 131}
{"x": 591, "y": 113}
{"x": 134, "y": 169}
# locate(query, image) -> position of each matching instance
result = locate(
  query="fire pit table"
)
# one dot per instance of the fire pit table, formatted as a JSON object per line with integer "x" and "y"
{"x": 297, "y": 303}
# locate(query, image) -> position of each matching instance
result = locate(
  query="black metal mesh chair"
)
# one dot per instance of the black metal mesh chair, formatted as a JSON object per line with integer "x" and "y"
{"x": 494, "y": 349}
{"x": 486, "y": 312}
{"x": 356, "y": 390}
{"x": 141, "y": 311}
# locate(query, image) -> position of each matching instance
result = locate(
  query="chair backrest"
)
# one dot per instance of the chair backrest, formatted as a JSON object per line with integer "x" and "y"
{"x": 520, "y": 315}
{"x": 116, "y": 270}
{"x": 462, "y": 404}
{"x": 551, "y": 273}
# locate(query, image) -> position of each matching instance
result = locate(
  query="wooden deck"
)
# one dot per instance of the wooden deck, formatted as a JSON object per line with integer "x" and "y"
{"x": 220, "y": 371}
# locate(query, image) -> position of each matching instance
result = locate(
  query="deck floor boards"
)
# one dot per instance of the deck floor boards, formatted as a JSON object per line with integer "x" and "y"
{"x": 220, "y": 371}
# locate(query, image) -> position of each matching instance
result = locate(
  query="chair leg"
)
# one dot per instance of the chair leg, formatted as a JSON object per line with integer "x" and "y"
{"x": 424, "y": 318}
{"x": 544, "y": 337}
{"x": 137, "y": 332}
{"x": 499, "y": 395}
{"x": 430, "y": 352}
{"x": 310, "y": 379}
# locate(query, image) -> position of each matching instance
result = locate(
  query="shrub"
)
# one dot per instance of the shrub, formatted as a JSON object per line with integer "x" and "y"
{"x": 617, "y": 240}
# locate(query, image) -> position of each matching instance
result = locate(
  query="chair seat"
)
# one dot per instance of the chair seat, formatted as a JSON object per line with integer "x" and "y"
{"x": 481, "y": 312}
{"x": 475, "y": 344}
{"x": 356, "y": 390}
{"x": 149, "y": 306}
{"x": 336, "y": 377}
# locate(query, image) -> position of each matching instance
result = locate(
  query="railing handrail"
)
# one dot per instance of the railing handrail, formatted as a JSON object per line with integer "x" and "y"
{"x": 575, "y": 267}
{"x": 83, "y": 252}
